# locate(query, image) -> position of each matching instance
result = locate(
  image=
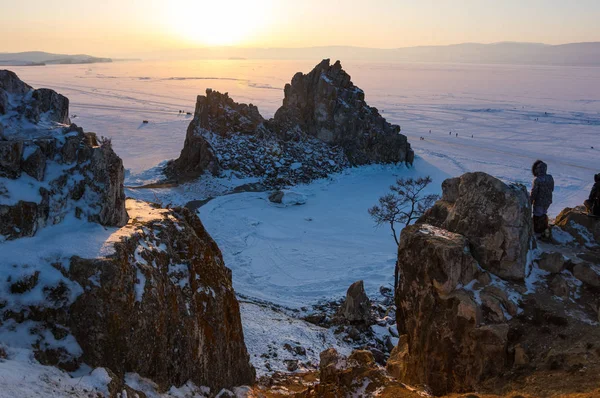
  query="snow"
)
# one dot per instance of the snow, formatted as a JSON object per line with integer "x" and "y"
{"x": 23, "y": 376}
{"x": 266, "y": 329}
{"x": 298, "y": 255}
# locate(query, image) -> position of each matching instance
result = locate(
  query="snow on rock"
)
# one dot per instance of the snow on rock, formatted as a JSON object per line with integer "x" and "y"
{"x": 273, "y": 338}
{"x": 48, "y": 170}
{"x": 313, "y": 134}
{"x": 165, "y": 285}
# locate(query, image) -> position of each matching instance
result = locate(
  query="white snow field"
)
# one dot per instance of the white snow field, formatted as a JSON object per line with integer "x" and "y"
{"x": 505, "y": 116}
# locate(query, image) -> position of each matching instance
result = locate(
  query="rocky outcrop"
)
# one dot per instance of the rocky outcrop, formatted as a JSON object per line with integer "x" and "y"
{"x": 452, "y": 336}
{"x": 493, "y": 216}
{"x": 152, "y": 297}
{"x": 356, "y": 308}
{"x": 323, "y": 126}
{"x": 341, "y": 376}
{"x": 327, "y": 105}
{"x": 48, "y": 177}
{"x": 35, "y": 106}
{"x": 583, "y": 228}
{"x": 159, "y": 304}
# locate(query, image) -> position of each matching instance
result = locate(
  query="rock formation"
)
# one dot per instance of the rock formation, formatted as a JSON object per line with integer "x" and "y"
{"x": 475, "y": 299}
{"x": 576, "y": 222}
{"x": 325, "y": 104}
{"x": 454, "y": 321}
{"x": 49, "y": 170}
{"x": 357, "y": 306}
{"x": 493, "y": 216}
{"x": 152, "y": 297}
{"x": 323, "y": 126}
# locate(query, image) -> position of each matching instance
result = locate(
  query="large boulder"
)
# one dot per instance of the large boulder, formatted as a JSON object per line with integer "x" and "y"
{"x": 583, "y": 228}
{"x": 452, "y": 335}
{"x": 326, "y": 104}
{"x": 493, "y": 216}
{"x": 323, "y": 126}
{"x": 158, "y": 302}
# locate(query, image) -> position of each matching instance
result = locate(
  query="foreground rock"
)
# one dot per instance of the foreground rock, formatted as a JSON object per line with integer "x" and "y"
{"x": 453, "y": 320}
{"x": 451, "y": 339}
{"x": 153, "y": 297}
{"x": 475, "y": 302}
{"x": 584, "y": 229}
{"x": 323, "y": 126}
{"x": 48, "y": 170}
{"x": 493, "y": 216}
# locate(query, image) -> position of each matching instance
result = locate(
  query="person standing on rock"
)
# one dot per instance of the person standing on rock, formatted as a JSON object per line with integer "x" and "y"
{"x": 593, "y": 203}
{"x": 541, "y": 197}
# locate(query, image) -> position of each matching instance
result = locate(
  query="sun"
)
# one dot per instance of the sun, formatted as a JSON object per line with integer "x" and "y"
{"x": 217, "y": 22}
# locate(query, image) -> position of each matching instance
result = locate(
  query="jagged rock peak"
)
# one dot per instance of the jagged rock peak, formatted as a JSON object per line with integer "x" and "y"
{"x": 323, "y": 126}
{"x": 326, "y": 104}
{"x": 220, "y": 114}
{"x": 49, "y": 170}
{"x": 20, "y": 103}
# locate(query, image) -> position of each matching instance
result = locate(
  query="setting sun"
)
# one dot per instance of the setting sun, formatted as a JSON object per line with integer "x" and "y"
{"x": 218, "y": 23}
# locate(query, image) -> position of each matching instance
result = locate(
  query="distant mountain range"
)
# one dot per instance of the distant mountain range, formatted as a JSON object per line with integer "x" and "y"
{"x": 576, "y": 54}
{"x": 36, "y": 58}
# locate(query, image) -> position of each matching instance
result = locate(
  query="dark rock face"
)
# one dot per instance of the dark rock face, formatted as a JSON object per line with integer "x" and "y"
{"x": 323, "y": 126}
{"x": 48, "y": 171}
{"x": 357, "y": 306}
{"x": 495, "y": 217}
{"x": 449, "y": 344}
{"x": 161, "y": 304}
{"x": 458, "y": 270}
{"x": 175, "y": 304}
{"x": 325, "y": 104}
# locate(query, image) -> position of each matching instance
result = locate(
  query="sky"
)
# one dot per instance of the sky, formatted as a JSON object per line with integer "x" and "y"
{"x": 120, "y": 27}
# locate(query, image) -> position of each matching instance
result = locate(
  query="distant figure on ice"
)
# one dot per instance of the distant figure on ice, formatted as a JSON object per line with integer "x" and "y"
{"x": 593, "y": 203}
{"x": 541, "y": 197}
{"x": 457, "y": 134}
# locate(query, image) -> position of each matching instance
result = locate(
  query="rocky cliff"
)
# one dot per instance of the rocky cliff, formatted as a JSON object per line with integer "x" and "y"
{"x": 476, "y": 300}
{"x": 323, "y": 126}
{"x": 49, "y": 170}
{"x": 103, "y": 281}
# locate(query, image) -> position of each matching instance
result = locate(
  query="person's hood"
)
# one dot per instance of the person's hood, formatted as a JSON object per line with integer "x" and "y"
{"x": 539, "y": 168}
{"x": 597, "y": 178}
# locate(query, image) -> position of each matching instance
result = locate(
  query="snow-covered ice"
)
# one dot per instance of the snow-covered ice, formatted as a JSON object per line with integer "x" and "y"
{"x": 298, "y": 255}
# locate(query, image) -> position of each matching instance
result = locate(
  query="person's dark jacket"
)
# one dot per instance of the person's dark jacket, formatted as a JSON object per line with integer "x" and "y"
{"x": 543, "y": 185}
{"x": 593, "y": 202}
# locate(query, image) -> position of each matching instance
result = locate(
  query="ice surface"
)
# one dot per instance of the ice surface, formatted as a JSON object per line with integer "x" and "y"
{"x": 298, "y": 255}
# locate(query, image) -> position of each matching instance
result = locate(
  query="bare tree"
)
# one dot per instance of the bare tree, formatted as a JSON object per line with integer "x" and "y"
{"x": 404, "y": 204}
